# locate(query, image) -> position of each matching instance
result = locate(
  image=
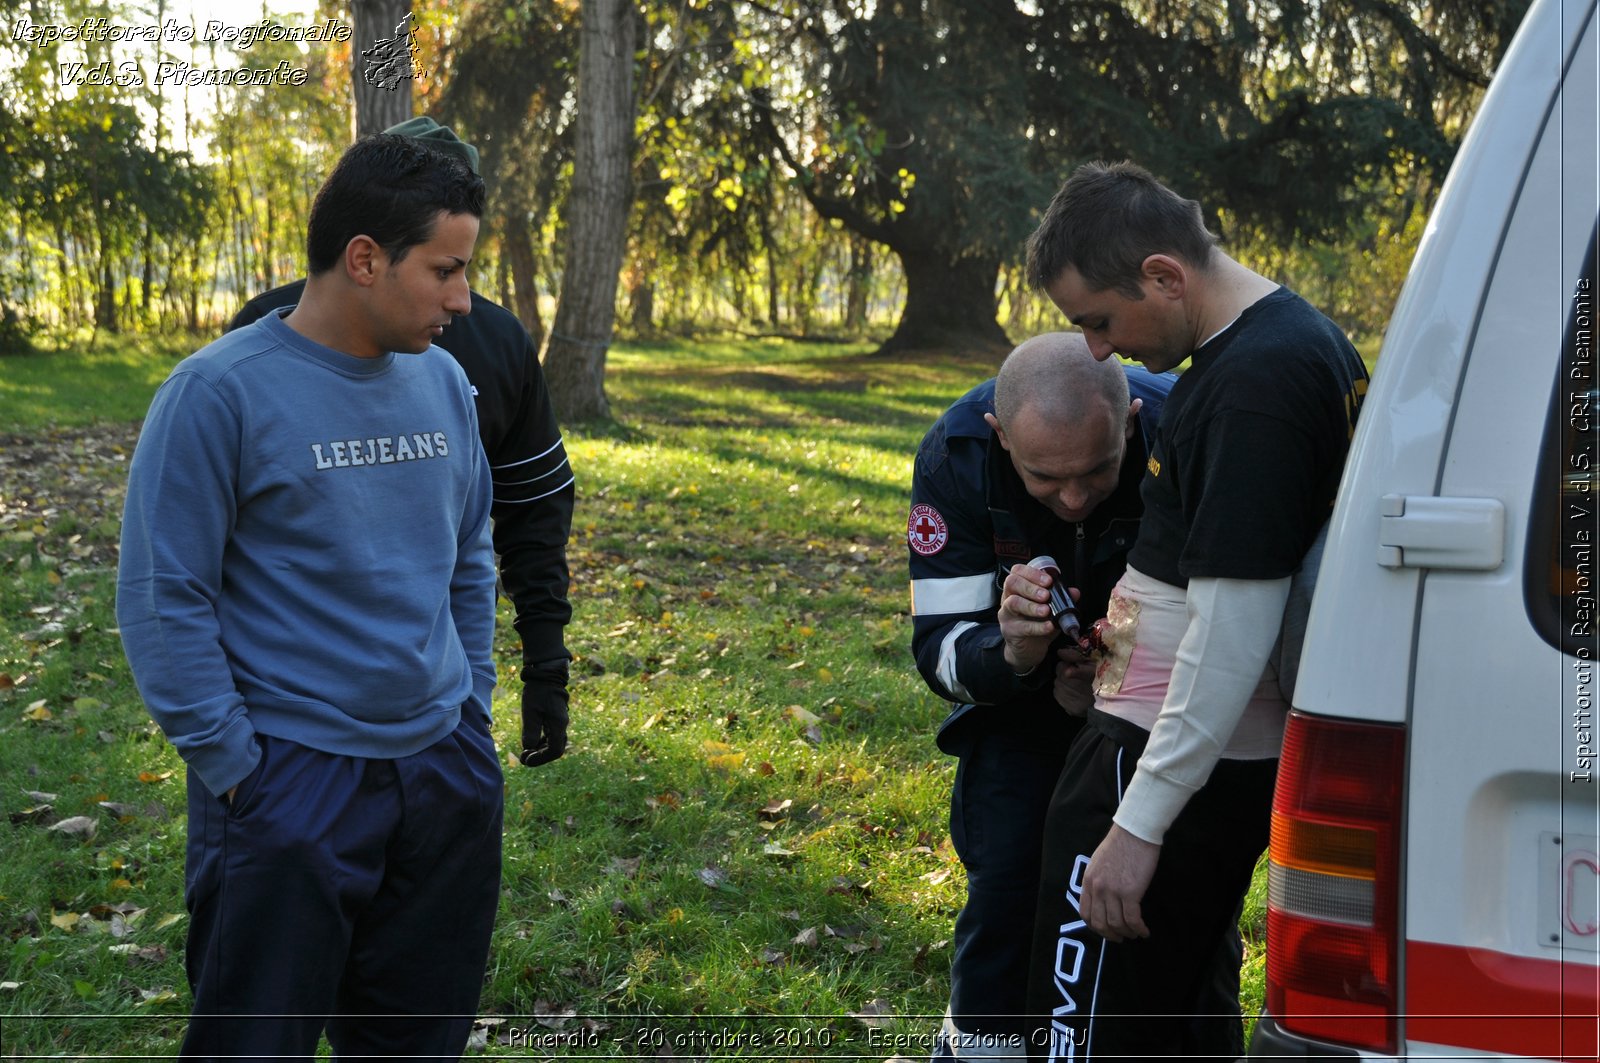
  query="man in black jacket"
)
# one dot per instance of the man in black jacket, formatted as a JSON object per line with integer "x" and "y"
{"x": 1045, "y": 459}
{"x": 533, "y": 484}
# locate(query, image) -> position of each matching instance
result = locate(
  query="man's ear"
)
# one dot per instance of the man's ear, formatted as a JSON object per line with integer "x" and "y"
{"x": 363, "y": 258}
{"x": 1000, "y": 433}
{"x": 1165, "y": 275}
{"x": 1133, "y": 418}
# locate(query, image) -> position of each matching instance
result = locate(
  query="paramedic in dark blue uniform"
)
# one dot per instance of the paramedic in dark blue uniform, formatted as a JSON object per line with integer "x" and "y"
{"x": 1045, "y": 459}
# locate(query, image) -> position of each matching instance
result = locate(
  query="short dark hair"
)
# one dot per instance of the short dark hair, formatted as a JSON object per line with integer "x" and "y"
{"x": 1106, "y": 220}
{"x": 391, "y": 188}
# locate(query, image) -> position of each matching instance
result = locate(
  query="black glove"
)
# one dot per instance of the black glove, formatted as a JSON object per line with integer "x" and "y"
{"x": 544, "y": 721}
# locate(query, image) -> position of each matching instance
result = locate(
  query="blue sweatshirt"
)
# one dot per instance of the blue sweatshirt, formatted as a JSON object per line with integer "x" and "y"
{"x": 305, "y": 552}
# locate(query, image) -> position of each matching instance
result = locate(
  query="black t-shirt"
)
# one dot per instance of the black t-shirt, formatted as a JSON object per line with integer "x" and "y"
{"x": 1250, "y": 447}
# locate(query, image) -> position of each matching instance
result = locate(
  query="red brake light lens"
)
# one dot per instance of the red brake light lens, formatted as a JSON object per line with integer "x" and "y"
{"x": 1333, "y": 882}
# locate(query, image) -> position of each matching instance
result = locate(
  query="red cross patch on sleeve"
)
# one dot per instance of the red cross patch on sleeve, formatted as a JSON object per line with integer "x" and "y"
{"x": 926, "y": 531}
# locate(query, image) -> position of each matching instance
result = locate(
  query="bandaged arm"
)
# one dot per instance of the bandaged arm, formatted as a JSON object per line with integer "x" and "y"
{"x": 1233, "y": 625}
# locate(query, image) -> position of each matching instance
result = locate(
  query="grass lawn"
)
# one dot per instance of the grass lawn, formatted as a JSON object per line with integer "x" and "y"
{"x": 751, "y": 819}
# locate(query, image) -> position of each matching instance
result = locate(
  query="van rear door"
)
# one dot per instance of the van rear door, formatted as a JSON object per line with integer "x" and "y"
{"x": 1500, "y": 865}
{"x": 1456, "y": 595}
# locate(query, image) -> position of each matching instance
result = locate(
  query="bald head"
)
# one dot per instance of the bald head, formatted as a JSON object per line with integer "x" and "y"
{"x": 1065, "y": 420}
{"x": 1054, "y": 376}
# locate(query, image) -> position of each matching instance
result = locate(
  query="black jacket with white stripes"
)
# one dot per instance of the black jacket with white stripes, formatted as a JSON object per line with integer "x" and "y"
{"x": 533, "y": 484}
{"x": 965, "y": 491}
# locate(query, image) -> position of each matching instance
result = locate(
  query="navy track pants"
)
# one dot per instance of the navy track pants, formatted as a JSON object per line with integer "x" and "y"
{"x": 1139, "y": 999}
{"x": 348, "y": 894}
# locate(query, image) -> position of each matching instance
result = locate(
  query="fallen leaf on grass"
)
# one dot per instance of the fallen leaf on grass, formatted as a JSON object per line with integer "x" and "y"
{"x": 920, "y": 958}
{"x": 775, "y": 809}
{"x": 666, "y": 800}
{"x": 39, "y": 795}
{"x": 844, "y": 886}
{"x": 773, "y": 958}
{"x": 36, "y": 712}
{"x": 766, "y": 768}
{"x": 154, "y": 776}
{"x": 142, "y": 954}
{"x": 122, "y": 812}
{"x": 806, "y": 939}
{"x": 876, "y": 1013}
{"x": 77, "y": 826}
{"x": 626, "y": 866}
{"x": 65, "y": 920}
{"x": 156, "y": 996}
{"x": 714, "y": 877}
{"x": 28, "y": 815}
{"x": 801, "y": 715}
{"x": 776, "y": 851}
{"x": 934, "y": 878}
{"x": 552, "y": 1016}
{"x": 10, "y": 987}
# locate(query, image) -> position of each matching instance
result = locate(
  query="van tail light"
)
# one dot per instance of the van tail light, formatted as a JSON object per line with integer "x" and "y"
{"x": 1333, "y": 882}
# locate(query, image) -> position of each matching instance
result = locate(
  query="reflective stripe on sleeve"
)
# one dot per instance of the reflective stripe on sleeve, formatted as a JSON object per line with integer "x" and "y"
{"x": 958, "y": 594}
{"x": 947, "y": 662}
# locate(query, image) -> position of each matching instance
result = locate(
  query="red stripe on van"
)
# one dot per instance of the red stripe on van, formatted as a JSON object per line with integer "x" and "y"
{"x": 1476, "y": 998}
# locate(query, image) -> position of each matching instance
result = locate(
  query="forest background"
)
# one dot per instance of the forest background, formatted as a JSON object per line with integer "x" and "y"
{"x": 761, "y": 245}
{"x": 864, "y": 169}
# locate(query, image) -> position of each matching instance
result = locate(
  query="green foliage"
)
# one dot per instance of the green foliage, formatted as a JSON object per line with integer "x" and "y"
{"x": 1294, "y": 119}
{"x": 87, "y": 175}
{"x": 273, "y": 145}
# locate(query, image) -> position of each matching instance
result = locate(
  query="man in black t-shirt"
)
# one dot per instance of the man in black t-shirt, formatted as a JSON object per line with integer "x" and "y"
{"x": 533, "y": 484}
{"x": 1044, "y": 459}
{"x": 1164, "y": 805}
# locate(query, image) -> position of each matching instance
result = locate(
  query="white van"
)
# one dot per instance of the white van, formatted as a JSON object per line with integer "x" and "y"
{"x": 1433, "y": 877}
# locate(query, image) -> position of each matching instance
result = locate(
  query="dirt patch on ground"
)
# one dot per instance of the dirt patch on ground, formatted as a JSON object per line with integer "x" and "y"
{"x": 63, "y": 488}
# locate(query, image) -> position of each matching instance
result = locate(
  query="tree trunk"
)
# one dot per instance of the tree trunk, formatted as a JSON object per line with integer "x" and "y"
{"x": 597, "y": 222}
{"x": 950, "y": 306}
{"x": 642, "y": 305}
{"x": 772, "y": 284}
{"x": 105, "y": 306}
{"x": 517, "y": 245}
{"x": 855, "y": 303}
{"x": 381, "y": 64}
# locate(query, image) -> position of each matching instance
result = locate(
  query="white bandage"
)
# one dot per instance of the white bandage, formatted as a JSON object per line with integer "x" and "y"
{"x": 1233, "y": 627}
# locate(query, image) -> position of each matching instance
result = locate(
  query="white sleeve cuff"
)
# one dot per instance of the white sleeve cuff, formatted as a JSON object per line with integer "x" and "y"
{"x": 1233, "y": 626}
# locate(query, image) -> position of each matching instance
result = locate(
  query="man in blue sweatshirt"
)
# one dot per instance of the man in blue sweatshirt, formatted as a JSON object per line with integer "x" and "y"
{"x": 306, "y": 598}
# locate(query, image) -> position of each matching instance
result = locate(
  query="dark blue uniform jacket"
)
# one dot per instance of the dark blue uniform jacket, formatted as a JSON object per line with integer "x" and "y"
{"x": 971, "y": 520}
